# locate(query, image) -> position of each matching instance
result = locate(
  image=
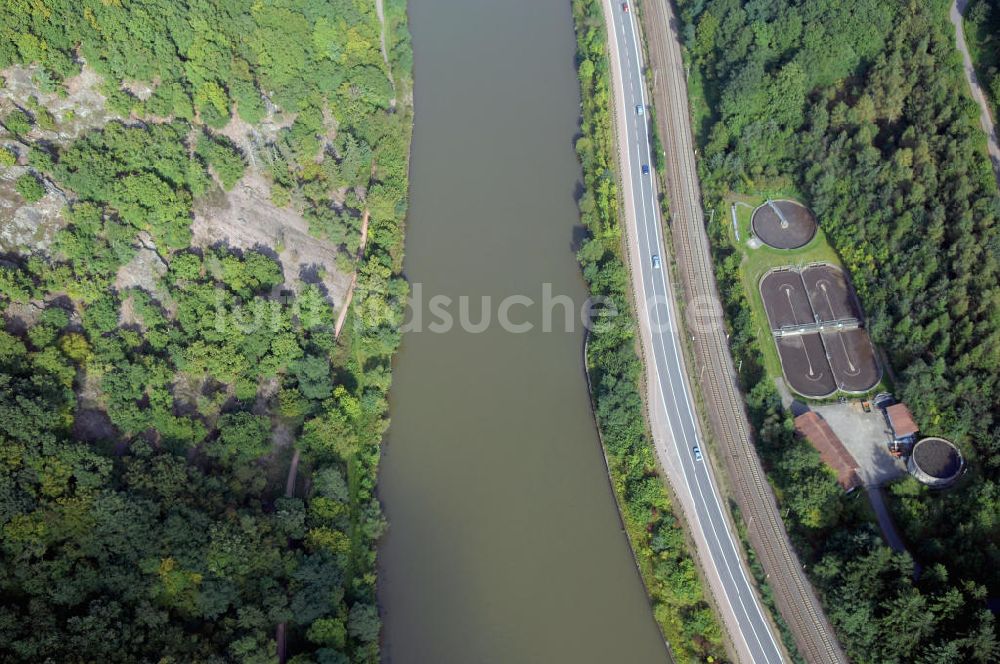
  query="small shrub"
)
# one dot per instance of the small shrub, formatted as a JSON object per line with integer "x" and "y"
{"x": 17, "y": 122}
{"x": 7, "y": 157}
{"x": 30, "y": 188}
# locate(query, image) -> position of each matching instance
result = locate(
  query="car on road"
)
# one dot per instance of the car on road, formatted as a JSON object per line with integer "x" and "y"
{"x": 625, "y": 7}
{"x": 645, "y": 169}
{"x": 638, "y": 109}
{"x": 697, "y": 453}
{"x": 656, "y": 261}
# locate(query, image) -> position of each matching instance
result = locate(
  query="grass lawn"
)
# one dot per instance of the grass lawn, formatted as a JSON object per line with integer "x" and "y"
{"x": 701, "y": 114}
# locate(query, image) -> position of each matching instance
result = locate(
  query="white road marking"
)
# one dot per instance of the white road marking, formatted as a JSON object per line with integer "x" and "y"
{"x": 673, "y": 348}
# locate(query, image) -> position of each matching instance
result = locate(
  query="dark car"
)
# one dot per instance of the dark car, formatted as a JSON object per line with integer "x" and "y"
{"x": 883, "y": 400}
{"x": 625, "y": 7}
{"x": 645, "y": 169}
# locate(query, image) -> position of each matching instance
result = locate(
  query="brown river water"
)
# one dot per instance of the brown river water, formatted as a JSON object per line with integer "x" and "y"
{"x": 504, "y": 543}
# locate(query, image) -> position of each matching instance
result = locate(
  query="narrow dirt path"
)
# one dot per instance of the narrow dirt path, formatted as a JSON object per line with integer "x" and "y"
{"x": 293, "y": 467}
{"x": 279, "y": 636}
{"x": 380, "y": 12}
{"x": 354, "y": 278}
{"x": 985, "y": 117}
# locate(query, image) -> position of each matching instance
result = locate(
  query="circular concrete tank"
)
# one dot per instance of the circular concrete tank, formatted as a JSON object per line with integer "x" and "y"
{"x": 935, "y": 462}
{"x": 783, "y": 224}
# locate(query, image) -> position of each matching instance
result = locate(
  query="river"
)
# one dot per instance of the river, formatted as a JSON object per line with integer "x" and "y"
{"x": 504, "y": 542}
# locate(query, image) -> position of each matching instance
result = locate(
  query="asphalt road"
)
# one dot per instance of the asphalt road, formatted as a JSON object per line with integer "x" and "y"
{"x": 667, "y": 365}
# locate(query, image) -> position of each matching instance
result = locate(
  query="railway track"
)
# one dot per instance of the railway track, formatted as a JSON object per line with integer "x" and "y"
{"x": 794, "y": 594}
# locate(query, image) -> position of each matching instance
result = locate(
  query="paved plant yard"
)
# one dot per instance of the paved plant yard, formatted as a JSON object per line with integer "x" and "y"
{"x": 865, "y": 436}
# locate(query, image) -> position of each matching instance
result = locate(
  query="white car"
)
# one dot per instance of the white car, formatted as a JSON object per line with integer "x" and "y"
{"x": 639, "y": 110}
{"x": 656, "y": 261}
{"x": 697, "y": 453}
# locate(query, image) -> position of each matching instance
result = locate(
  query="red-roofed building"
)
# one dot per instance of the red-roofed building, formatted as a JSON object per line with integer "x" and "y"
{"x": 831, "y": 450}
{"x": 903, "y": 426}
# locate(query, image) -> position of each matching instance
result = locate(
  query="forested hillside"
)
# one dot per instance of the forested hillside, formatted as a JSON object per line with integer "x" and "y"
{"x": 861, "y": 106}
{"x": 153, "y": 390}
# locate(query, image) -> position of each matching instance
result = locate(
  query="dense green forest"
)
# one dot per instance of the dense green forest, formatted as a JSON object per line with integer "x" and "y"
{"x": 146, "y": 431}
{"x": 658, "y": 540}
{"x": 862, "y": 107}
{"x": 982, "y": 35}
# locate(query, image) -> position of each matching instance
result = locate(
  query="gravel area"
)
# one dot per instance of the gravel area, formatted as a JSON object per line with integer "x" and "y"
{"x": 865, "y": 436}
